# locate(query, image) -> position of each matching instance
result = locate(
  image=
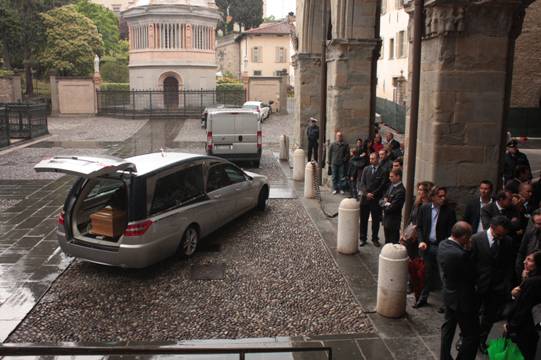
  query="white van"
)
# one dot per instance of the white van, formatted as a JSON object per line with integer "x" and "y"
{"x": 235, "y": 135}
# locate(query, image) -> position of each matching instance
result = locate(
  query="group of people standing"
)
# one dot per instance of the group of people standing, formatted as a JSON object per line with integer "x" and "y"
{"x": 488, "y": 263}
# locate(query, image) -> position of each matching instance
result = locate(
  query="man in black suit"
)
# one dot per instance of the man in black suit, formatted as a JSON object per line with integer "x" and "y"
{"x": 492, "y": 255}
{"x": 434, "y": 223}
{"x": 459, "y": 297}
{"x": 371, "y": 187}
{"x": 531, "y": 242}
{"x": 503, "y": 205}
{"x": 472, "y": 213}
{"x": 392, "y": 204}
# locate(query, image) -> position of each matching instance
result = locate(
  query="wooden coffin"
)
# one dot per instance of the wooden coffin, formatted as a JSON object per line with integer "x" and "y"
{"x": 108, "y": 222}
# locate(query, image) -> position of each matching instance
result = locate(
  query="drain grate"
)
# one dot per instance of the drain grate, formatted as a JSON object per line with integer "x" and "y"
{"x": 208, "y": 272}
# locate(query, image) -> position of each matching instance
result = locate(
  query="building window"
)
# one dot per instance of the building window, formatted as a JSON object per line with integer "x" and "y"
{"x": 116, "y": 7}
{"x": 281, "y": 55}
{"x": 400, "y": 53}
{"x": 391, "y": 48}
{"x": 282, "y": 72}
{"x": 257, "y": 72}
{"x": 256, "y": 54}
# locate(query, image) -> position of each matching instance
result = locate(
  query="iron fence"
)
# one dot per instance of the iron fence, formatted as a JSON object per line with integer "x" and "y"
{"x": 392, "y": 114}
{"x": 25, "y": 120}
{"x": 155, "y": 103}
{"x": 4, "y": 127}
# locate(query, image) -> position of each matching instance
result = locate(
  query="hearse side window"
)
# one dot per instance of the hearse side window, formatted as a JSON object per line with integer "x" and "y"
{"x": 217, "y": 178}
{"x": 234, "y": 174}
{"x": 178, "y": 188}
{"x": 104, "y": 186}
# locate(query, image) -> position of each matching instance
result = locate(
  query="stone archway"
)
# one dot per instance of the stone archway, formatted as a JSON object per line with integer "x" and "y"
{"x": 171, "y": 84}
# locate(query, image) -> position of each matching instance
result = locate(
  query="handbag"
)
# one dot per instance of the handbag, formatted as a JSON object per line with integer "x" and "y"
{"x": 503, "y": 349}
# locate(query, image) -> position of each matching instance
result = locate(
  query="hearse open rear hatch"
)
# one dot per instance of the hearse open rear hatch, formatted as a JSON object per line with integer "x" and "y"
{"x": 85, "y": 166}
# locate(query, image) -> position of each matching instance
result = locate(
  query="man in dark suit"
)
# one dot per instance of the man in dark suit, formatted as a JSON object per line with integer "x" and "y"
{"x": 392, "y": 204}
{"x": 459, "y": 297}
{"x": 472, "y": 213}
{"x": 503, "y": 205}
{"x": 531, "y": 242}
{"x": 492, "y": 255}
{"x": 371, "y": 187}
{"x": 434, "y": 223}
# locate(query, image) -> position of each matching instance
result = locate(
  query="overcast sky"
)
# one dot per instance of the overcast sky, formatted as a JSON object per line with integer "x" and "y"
{"x": 280, "y": 8}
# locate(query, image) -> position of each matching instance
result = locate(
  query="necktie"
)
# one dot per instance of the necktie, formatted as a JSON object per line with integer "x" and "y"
{"x": 373, "y": 170}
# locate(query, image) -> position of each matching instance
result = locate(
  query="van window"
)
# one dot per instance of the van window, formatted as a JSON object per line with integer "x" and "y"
{"x": 234, "y": 174}
{"x": 217, "y": 178}
{"x": 104, "y": 187}
{"x": 178, "y": 188}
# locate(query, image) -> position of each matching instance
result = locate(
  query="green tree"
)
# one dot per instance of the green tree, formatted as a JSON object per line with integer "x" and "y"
{"x": 248, "y": 13}
{"x": 105, "y": 20}
{"x": 22, "y": 34}
{"x": 72, "y": 42}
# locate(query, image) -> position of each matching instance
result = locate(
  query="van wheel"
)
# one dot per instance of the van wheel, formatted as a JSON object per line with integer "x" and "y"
{"x": 263, "y": 199}
{"x": 189, "y": 242}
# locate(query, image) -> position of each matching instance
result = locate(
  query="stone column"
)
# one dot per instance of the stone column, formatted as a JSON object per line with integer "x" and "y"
{"x": 307, "y": 93}
{"x": 55, "y": 104}
{"x": 462, "y": 93}
{"x": 349, "y": 78}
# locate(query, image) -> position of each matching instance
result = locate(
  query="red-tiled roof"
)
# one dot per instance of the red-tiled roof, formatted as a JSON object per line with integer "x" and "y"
{"x": 282, "y": 28}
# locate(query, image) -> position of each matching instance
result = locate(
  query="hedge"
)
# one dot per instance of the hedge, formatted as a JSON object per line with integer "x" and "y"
{"x": 229, "y": 86}
{"x": 115, "y": 86}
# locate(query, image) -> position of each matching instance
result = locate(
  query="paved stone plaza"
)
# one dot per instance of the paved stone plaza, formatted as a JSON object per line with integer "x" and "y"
{"x": 279, "y": 278}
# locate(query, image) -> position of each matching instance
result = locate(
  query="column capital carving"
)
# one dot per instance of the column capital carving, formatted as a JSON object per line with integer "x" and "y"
{"x": 443, "y": 18}
{"x": 339, "y": 49}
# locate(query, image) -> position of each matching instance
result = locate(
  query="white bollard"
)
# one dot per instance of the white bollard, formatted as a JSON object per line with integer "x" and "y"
{"x": 284, "y": 147}
{"x": 392, "y": 281}
{"x": 310, "y": 172}
{"x": 348, "y": 227}
{"x": 298, "y": 165}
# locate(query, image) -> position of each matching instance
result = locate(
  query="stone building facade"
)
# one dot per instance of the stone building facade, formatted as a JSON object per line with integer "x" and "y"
{"x": 228, "y": 55}
{"x": 116, "y": 6}
{"x": 172, "y": 45}
{"x": 527, "y": 66}
{"x": 465, "y": 81}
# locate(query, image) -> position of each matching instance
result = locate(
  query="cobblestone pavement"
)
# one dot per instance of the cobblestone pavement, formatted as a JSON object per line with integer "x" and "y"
{"x": 276, "y": 283}
{"x": 281, "y": 281}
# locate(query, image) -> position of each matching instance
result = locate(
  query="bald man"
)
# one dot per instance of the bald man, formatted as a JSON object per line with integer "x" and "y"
{"x": 458, "y": 275}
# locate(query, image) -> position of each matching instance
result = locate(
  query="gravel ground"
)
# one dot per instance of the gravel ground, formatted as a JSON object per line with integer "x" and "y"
{"x": 93, "y": 128}
{"x": 277, "y": 282}
{"x": 6, "y": 204}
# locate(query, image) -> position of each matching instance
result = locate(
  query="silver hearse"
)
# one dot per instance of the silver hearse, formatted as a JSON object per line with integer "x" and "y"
{"x": 137, "y": 211}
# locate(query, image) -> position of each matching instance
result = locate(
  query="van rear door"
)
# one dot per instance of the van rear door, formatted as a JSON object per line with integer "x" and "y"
{"x": 235, "y": 132}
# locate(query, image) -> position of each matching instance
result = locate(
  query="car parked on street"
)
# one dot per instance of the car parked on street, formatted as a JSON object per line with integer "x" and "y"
{"x": 137, "y": 211}
{"x": 235, "y": 134}
{"x": 264, "y": 110}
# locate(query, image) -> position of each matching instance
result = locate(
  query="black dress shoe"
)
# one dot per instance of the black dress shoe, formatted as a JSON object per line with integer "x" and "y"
{"x": 362, "y": 243}
{"x": 420, "y": 303}
{"x": 376, "y": 243}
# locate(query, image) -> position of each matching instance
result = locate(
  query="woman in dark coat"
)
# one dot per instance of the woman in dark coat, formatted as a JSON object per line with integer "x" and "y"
{"x": 520, "y": 325}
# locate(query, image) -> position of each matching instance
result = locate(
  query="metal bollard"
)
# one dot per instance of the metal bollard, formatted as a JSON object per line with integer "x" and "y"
{"x": 392, "y": 281}
{"x": 348, "y": 227}
{"x": 310, "y": 172}
{"x": 298, "y": 165}
{"x": 284, "y": 147}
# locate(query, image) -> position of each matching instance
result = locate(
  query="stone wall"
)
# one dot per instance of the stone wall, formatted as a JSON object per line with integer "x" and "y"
{"x": 10, "y": 89}
{"x": 73, "y": 96}
{"x": 527, "y": 66}
{"x": 266, "y": 89}
{"x": 228, "y": 55}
